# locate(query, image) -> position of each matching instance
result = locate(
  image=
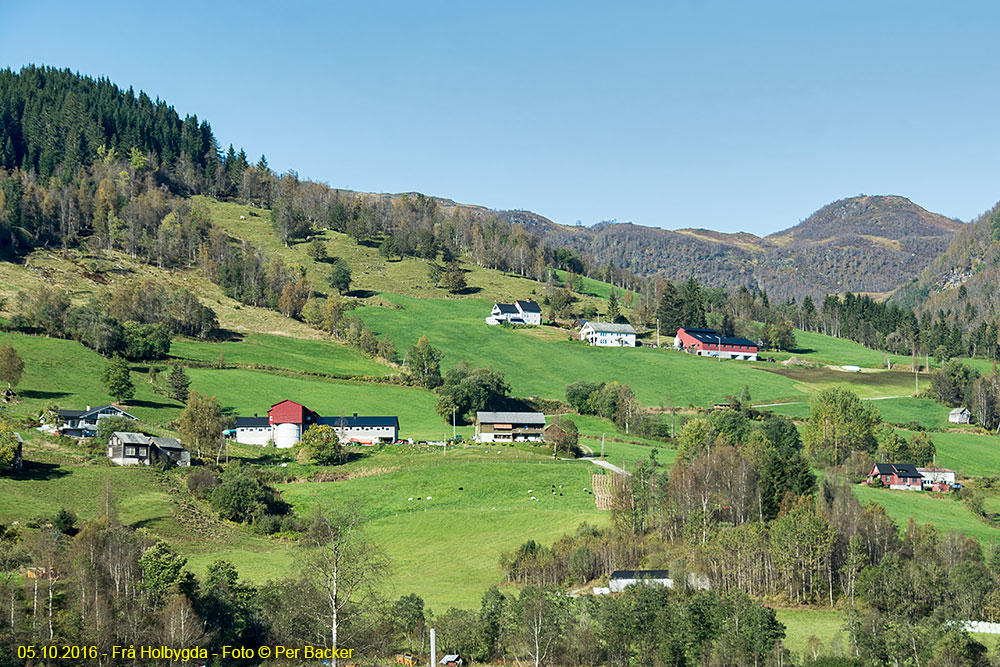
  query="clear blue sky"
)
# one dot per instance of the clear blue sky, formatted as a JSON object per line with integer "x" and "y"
{"x": 725, "y": 115}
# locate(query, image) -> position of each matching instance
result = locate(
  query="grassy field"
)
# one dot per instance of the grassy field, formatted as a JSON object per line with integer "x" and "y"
{"x": 285, "y": 352}
{"x": 65, "y": 373}
{"x": 446, "y": 546}
{"x": 537, "y": 365}
{"x": 926, "y": 412}
{"x": 967, "y": 453}
{"x": 944, "y": 512}
{"x": 837, "y": 352}
{"x": 801, "y": 624}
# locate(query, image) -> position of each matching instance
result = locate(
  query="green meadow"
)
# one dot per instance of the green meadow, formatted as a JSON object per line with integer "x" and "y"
{"x": 944, "y": 511}
{"x": 822, "y": 349}
{"x": 542, "y": 361}
{"x": 312, "y": 356}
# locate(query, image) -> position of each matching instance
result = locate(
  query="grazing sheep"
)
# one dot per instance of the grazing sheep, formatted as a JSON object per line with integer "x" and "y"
{"x": 243, "y": 217}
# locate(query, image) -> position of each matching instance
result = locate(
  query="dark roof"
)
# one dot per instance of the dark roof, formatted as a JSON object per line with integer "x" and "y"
{"x": 510, "y": 417}
{"x": 76, "y": 414}
{"x": 166, "y": 443}
{"x": 250, "y": 422}
{"x": 898, "y": 469}
{"x": 506, "y": 308}
{"x": 354, "y": 422}
{"x": 640, "y": 574}
{"x": 529, "y": 306}
{"x": 712, "y": 336}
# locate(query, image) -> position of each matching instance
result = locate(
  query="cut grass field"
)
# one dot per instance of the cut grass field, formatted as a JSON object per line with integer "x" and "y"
{"x": 446, "y": 547}
{"x": 837, "y": 352}
{"x": 944, "y": 512}
{"x": 284, "y": 352}
{"x": 538, "y": 367}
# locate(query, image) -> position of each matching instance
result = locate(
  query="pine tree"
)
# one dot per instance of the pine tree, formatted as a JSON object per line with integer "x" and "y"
{"x": 118, "y": 380}
{"x": 614, "y": 310}
{"x": 178, "y": 384}
{"x": 692, "y": 307}
{"x": 668, "y": 311}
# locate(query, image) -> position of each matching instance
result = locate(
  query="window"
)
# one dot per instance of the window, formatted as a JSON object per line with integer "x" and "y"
{"x": 130, "y": 451}
{"x": 142, "y": 451}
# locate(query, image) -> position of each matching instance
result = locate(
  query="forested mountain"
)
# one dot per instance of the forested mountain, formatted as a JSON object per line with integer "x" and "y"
{"x": 963, "y": 283}
{"x": 860, "y": 244}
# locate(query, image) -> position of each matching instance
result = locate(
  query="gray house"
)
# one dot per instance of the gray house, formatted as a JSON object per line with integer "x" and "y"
{"x": 83, "y": 423}
{"x": 129, "y": 449}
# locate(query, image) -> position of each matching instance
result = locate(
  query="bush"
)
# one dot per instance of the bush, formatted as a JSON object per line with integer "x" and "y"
{"x": 201, "y": 482}
{"x": 64, "y": 521}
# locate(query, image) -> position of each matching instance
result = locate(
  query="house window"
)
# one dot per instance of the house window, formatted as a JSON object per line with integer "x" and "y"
{"x": 130, "y": 451}
{"x": 142, "y": 451}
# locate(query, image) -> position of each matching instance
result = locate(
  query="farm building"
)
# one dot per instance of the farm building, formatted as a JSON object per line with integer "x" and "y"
{"x": 960, "y": 416}
{"x": 509, "y": 426}
{"x": 519, "y": 312}
{"x": 604, "y": 334}
{"x": 452, "y": 660}
{"x": 897, "y": 475}
{"x": 83, "y": 423}
{"x": 710, "y": 343}
{"x": 287, "y": 420}
{"x": 129, "y": 449}
{"x": 364, "y": 430}
{"x": 620, "y": 579}
{"x": 937, "y": 479}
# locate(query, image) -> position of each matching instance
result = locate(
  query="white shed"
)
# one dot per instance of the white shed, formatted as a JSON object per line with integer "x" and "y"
{"x": 960, "y": 416}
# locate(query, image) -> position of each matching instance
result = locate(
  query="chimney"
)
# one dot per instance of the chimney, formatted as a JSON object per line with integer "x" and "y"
{"x": 355, "y": 415}
{"x": 88, "y": 407}
{"x": 255, "y": 414}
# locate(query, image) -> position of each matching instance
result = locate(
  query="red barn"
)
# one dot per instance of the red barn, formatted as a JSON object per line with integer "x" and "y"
{"x": 288, "y": 420}
{"x": 897, "y": 475}
{"x": 710, "y": 343}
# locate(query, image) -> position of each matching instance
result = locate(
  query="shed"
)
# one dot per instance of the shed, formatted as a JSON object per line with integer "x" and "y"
{"x": 960, "y": 416}
{"x": 452, "y": 660}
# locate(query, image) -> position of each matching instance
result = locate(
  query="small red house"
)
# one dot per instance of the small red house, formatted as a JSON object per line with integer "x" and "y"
{"x": 710, "y": 343}
{"x": 897, "y": 475}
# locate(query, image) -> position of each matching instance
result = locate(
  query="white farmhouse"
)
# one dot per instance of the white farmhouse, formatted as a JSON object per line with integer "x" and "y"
{"x": 519, "y": 312}
{"x": 604, "y": 334}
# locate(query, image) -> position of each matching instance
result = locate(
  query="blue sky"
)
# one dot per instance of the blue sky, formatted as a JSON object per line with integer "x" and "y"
{"x": 735, "y": 116}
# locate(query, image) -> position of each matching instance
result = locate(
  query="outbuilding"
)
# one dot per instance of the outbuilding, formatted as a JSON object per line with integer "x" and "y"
{"x": 960, "y": 416}
{"x": 710, "y": 343}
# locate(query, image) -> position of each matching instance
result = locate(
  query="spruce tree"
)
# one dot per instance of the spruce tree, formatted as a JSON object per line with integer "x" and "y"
{"x": 668, "y": 311}
{"x": 178, "y": 384}
{"x": 614, "y": 310}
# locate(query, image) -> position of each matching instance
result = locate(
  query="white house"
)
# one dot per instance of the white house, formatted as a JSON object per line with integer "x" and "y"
{"x": 364, "y": 430}
{"x": 959, "y": 416}
{"x": 603, "y": 334}
{"x": 519, "y": 312}
{"x": 253, "y": 430}
{"x": 930, "y": 476}
{"x": 529, "y": 311}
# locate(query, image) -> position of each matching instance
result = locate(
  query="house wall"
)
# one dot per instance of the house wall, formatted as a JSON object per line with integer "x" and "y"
{"x": 368, "y": 434}
{"x": 254, "y": 435}
{"x": 517, "y": 433}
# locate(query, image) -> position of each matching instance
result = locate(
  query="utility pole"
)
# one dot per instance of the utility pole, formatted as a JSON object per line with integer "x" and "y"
{"x": 602, "y": 445}
{"x": 453, "y": 421}
{"x": 657, "y": 333}
{"x": 433, "y": 649}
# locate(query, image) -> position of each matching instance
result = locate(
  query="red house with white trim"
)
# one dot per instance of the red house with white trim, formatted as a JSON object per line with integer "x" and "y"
{"x": 897, "y": 475}
{"x": 710, "y": 343}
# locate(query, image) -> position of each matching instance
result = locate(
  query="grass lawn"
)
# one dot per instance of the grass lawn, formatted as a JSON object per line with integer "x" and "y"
{"x": 247, "y": 392}
{"x": 945, "y": 513}
{"x": 801, "y": 624}
{"x": 447, "y": 548}
{"x": 285, "y": 352}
